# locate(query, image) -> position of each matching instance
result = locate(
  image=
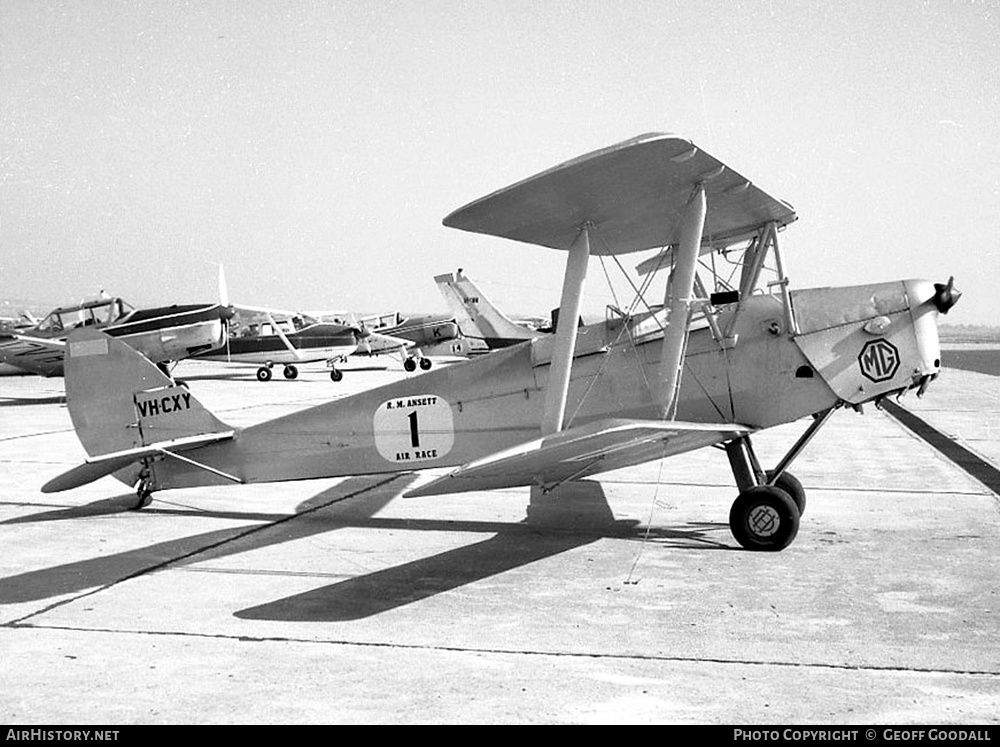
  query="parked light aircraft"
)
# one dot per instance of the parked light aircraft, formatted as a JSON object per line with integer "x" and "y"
{"x": 713, "y": 366}
{"x": 477, "y": 317}
{"x": 164, "y": 334}
{"x": 293, "y": 339}
{"x": 267, "y": 336}
{"x": 428, "y": 335}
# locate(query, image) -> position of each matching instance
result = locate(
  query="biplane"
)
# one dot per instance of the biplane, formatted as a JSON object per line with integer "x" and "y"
{"x": 727, "y": 354}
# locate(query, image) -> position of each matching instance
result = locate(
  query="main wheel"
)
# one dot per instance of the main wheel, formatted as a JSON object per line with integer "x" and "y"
{"x": 425, "y": 364}
{"x": 263, "y": 373}
{"x": 791, "y": 485}
{"x": 410, "y": 365}
{"x": 336, "y": 375}
{"x": 290, "y": 371}
{"x": 764, "y": 517}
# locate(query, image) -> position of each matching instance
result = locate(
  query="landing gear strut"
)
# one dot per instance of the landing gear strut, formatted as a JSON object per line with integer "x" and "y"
{"x": 765, "y": 515}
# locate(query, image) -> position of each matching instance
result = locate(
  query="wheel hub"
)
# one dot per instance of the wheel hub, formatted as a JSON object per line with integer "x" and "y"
{"x": 764, "y": 521}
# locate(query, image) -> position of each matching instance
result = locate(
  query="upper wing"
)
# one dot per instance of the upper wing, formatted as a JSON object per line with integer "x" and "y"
{"x": 35, "y": 354}
{"x": 632, "y": 193}
{"x": 576, "y": 452}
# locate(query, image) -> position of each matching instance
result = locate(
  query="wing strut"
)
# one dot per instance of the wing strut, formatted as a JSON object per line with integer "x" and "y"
{"x": 291, "y": 348}
{"x": 557, "y": 389}
{"x": 679, "y": 299}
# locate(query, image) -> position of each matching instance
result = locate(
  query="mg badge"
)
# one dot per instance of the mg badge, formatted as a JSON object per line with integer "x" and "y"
{"x": 879, "y": 360}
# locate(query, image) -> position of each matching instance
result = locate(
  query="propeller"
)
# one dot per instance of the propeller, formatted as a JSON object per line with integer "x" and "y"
{"x": 226, "y": 311}
{"x": 945, "y": 296}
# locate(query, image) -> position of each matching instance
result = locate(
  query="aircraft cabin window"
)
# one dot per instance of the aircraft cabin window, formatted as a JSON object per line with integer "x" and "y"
{"x": 51, "y": 323}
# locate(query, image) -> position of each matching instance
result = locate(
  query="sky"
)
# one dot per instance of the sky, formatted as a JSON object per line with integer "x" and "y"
{"x": 313, "y": 148}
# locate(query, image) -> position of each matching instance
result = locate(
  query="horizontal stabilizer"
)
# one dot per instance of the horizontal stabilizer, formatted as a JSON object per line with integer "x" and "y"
{"x": 375, "y": 343}
{"x": 106, "y": 464}
{"x": 579, "y": 452}
{"x": 632, "y": 194}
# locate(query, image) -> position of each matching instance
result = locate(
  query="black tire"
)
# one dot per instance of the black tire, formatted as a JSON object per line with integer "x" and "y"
{"x": 791, "y": 485}
{"x": 425, "y": 364}
{"x": 764, "y": 518}
{"x": 336, "y": 375}
{"x": 410, "y": 365}
{"x": 263, "y": 374}
{"x": 290, "y": 372}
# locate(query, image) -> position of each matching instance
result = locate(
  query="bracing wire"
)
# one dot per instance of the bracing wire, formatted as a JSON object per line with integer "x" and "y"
{"x": 649, "y": 523}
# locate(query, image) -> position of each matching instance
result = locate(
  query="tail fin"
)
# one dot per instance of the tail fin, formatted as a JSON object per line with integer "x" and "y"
{"x": 124, "y": 410}
{"x": 477, "y": 317}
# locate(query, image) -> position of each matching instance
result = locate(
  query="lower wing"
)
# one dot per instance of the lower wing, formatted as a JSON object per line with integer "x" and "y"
{"x": 581, "y": 451}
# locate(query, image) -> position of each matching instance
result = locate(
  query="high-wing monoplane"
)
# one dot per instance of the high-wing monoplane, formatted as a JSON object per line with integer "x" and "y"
{"x": 726, "y": 355}
{"x": 477, "y": 317}
{"x": 163, "y": 334}
{"x": 270, "y": 337}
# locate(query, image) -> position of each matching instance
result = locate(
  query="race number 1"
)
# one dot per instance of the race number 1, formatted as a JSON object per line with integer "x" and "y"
{"x": 414, "y": 429}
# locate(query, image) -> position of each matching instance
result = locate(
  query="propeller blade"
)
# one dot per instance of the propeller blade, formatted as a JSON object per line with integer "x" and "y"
{"x": 223, "y": 290}
{"x": 226, "y": 310}
{"x": 945, "y": 296}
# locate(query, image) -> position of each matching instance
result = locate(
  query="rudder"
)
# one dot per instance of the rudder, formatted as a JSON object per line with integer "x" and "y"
{"x": 118, "y": 400}
{"x": 476, "y": 315}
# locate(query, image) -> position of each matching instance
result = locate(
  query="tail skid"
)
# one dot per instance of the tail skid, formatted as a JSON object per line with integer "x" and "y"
{"x": 127, "y": 412}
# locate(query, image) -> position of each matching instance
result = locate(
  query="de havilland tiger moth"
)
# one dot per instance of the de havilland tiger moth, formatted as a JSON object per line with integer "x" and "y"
{"x": 725, "y": 356}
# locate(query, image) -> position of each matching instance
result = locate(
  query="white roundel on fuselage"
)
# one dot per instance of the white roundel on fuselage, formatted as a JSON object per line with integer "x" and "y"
{"x": 413, "y": 429}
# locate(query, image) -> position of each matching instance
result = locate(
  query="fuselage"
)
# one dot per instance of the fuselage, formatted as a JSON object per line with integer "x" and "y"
{"x": 168, "y": 333}
{"x": 850, "y": 345}
{"x": 314, "y": 342}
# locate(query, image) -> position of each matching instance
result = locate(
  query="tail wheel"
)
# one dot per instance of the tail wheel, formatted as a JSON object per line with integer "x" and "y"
{"x": 143, "y": 493}
{"x": 791, "y": 485}
{"x": 263, "y": 373}
{"x": 765, "y": 518}
{"x": 290, "y": 372}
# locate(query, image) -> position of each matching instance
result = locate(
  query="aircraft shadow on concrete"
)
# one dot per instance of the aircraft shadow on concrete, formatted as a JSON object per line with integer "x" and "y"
{"x": 578, "y": 517}
{"x": 371, "y": 495}
{"x": 55, "y": 399}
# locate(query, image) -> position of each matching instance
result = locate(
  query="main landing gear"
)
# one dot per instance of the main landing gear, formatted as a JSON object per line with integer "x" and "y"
{"x": 264, "y": 373}
{"x": 765, "y": 515}
{"x": 410, "y": 364}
